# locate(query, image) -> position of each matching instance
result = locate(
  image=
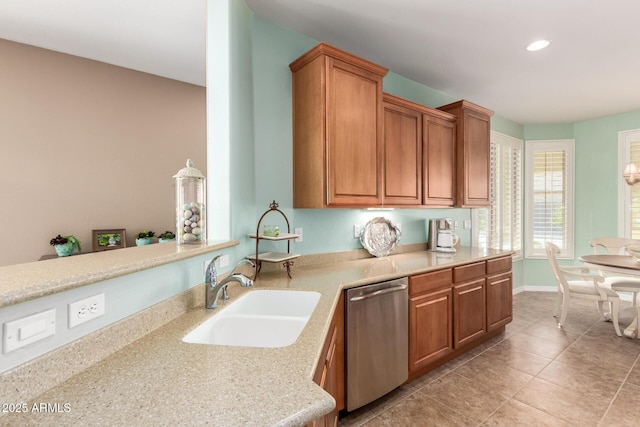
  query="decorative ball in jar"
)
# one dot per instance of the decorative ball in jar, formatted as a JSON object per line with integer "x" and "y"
{"x": 190, "y": 205}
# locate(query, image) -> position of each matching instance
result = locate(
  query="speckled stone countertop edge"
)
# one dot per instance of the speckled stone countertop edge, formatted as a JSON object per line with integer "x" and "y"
{"x": 24, "y": 282}
{"x": 213, "y": 383}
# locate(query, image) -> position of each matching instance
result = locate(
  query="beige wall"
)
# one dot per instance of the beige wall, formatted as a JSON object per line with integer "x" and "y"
{"x": 86, "y": 145}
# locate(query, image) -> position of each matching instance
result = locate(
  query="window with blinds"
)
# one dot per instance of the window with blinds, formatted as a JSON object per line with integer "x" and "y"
{"x": 628, "y": 196}
{"x": 634, "y": 199}
{"x": 500, "y": 225}
{"x": 549, "y": 189}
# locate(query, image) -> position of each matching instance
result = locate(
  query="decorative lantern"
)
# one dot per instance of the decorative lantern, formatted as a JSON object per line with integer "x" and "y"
{"x": 191, "y": 214}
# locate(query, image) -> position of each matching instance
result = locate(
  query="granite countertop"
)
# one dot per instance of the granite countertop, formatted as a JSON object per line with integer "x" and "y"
{"x": 24, "y": 282}
{"x": 160, "y": 380}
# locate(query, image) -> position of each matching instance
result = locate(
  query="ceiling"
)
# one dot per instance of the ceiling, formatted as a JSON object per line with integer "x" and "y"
{"x": 468, "y": 49}
{"x": 162, "y": 37}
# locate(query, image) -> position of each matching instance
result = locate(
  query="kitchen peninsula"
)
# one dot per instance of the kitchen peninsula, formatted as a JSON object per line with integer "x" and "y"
{"x": 160, "y": 379}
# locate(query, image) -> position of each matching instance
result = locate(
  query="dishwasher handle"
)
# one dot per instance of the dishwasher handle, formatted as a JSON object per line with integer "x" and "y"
{"x": 379, "y": 292}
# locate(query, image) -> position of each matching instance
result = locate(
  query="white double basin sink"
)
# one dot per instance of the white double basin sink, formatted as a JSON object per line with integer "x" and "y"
{"x": 259, "y": 318}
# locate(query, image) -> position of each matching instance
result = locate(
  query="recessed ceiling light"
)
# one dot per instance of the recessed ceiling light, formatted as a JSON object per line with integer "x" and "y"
{"x": 537, "y": 45}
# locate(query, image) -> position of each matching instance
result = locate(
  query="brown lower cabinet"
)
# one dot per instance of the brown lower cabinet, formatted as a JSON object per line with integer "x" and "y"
{"x": 499, "y": 293}
{"x": 330, "y": 370}
{"x": 430, "y": 307}
{"x": 454, "y": 309}
{"x": 470, "y": 304}
{"x": 450, "y": 311}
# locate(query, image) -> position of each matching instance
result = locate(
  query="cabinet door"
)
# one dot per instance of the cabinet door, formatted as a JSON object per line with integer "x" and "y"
{"x": 476, "y": 159}
{"x": 354, "y": 123}
{"x": 402, "y": 154}
{"x": 330, "y": 370}
{"x": 469, "y": 308}
{"x": 439, "y": 161}
{"x": 499, "y": 300}
{"x": 430, "y": 328}
{"x": 472, "y": 153}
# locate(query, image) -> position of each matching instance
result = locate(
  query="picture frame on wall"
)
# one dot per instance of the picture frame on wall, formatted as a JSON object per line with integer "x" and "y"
{"x": 108, "y": 239}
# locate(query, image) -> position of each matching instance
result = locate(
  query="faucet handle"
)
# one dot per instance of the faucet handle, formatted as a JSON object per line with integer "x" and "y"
{"x": 241, "y": 262}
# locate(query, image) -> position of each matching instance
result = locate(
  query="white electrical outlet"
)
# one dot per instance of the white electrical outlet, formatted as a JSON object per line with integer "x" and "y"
{"x": 298, "y": 231}
{"x": 455, "y": 224}
{"x": 466, "y": 224}
{"x": 86, "y": 309}
{"x": 356, "y": 231}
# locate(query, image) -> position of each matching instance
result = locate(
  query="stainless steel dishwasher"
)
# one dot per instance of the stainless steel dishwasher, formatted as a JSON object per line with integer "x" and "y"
{"x": 377, "y": 340}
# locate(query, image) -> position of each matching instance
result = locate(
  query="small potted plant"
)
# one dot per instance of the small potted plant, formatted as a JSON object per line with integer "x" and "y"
{"x": 144, "y": 237}
{"x": 65, "y": 245}
{"x": 167, "y": 236}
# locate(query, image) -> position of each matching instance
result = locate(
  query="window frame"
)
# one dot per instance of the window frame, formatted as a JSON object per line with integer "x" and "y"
{"x": 625, "y": 139}
{"x": 531, "y": 147}
{"x": 502, "y": 140}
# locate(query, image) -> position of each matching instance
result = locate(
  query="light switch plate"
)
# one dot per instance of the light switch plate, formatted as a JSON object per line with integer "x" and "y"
{"x": 20, "y": 332}
{"x": 223, "y": 261}
{"x": 298, "y": 231}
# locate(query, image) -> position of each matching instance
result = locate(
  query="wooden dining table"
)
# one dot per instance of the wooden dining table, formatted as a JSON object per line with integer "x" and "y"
{"x": 617, "y": 264}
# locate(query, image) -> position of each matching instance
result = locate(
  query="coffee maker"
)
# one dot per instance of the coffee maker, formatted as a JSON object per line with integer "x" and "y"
{"x": 435, "y": 226}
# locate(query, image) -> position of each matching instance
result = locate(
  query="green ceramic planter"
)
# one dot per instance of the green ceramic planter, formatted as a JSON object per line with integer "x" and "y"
{"x": 65, "y": 249}
{"x": 143, "y": 241}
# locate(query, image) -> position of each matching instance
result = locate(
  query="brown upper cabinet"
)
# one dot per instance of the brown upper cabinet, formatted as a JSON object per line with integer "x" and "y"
{"x": 439, "y": 158}
{"x": 419, "y": 154}
{"x": 402, "y": 152}
{"x": 472, "y": 152}
{"x": 354, "y": 146}
{"x": 337, "y": 129}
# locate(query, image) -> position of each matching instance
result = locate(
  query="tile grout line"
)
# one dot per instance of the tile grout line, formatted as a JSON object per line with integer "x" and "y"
{"x": 624, "y": 381}
{"x": 538, "y": 373}
{"x": 530, "y": 300}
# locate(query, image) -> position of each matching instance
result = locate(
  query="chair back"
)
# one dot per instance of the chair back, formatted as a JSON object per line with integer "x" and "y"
{"x": 552, "y": 251}
{"x": 612, "y": 245}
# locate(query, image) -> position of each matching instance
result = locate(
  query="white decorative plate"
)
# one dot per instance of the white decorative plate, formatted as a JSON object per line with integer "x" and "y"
{"x": 380, "y": 236}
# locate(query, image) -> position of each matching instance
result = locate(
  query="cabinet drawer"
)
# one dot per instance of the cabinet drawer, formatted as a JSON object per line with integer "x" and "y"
{"x": 499, "y": 265}
{"x": 429, "y": 281}
{"x": 468, "y": 272}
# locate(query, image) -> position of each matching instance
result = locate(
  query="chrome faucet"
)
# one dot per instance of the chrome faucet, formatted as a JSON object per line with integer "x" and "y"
{"x": 214, "y": 289}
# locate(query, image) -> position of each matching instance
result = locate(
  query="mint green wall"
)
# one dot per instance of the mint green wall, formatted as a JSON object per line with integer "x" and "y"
{"x": 548, "y": 131}
{"x": 324, "y": 230}
{"x": 597, "y": 177}
{"x": 413, "y": 91}
{"x": 260, "y": 136}
{"x": 242, "y": 145}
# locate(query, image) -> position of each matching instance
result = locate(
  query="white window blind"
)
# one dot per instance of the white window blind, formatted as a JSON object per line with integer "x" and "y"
{"x": 634, "y": 200}
{"x": 549, "y": 189}
{"x": 629, "y": 203}
{"x": 500, "y": 225}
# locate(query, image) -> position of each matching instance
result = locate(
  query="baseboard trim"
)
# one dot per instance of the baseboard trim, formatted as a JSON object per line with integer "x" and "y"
{"x": 624, "y": 296}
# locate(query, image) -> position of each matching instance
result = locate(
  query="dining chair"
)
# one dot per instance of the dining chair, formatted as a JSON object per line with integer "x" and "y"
{"x": 616, "y": 246}
{"x": 587, "y": 286}
{"x": 612, "y": 245}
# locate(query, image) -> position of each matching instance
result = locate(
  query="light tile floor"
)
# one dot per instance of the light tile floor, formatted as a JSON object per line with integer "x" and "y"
{"x": 534, "y": 374}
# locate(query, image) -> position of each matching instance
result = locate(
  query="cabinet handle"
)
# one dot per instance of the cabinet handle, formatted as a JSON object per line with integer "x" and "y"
{"x": 379, "y": 292}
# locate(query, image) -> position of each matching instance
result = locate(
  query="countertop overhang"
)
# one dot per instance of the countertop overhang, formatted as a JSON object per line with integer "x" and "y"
{"x": 161, "y": 380}
{"x": 24, "y": 282}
